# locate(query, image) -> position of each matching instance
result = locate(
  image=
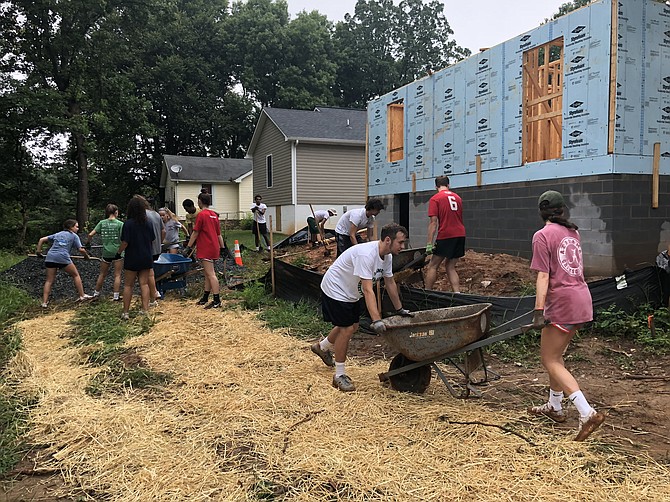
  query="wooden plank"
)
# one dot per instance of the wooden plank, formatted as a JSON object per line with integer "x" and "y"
{"x": 614, "y": 34}
{"x": 548, "y": 97}
{"x": 545, "y": 116}
{"x": 655, "y": 175}
{"x": 538, "y": 89}
{"x": 413, "y": 182}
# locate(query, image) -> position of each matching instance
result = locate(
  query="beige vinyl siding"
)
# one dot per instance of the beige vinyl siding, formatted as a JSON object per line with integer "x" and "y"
{"x": 271, "y": 141}
{"x": 185, "y": 190}
{"x": 246, "y": 191}
{"x": 330, "y": 174}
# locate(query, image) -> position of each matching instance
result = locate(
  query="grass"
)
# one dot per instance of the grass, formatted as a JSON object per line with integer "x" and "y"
{"x": 246, "y": 238}
{"x": 97, "y": 326}
{"x": 301, "y": 320}
{"x": 14, "y": 304}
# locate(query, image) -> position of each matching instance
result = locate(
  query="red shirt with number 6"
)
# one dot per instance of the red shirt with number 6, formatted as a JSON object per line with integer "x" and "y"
{"x": 448, "y": 207}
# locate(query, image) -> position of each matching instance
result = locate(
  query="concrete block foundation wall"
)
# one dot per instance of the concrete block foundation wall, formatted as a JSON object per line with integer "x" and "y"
{"x": 618, "y": 227}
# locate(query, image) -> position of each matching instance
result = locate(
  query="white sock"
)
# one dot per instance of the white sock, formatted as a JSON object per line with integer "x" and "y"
{"x": 581, "y": 403}
{"x": 339, "y": 369}
{"x": 555, "y": 399}
{"x": 116, "y": 295}
{"x": 326, "y": 345}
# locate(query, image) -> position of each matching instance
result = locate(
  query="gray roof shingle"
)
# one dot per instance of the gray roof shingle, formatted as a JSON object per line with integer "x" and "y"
{"x": 322, "y": 123}
{"x": 207, "y": 169}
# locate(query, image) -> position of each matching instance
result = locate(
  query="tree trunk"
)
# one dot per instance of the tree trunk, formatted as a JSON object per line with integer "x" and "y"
{"x": 78, "y": 140}
{"x": 82, "y": 179}
{"x": 24, "y": 227}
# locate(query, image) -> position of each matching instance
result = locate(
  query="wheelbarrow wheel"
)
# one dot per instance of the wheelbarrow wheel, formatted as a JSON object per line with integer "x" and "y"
{"x": 415, "y": 380}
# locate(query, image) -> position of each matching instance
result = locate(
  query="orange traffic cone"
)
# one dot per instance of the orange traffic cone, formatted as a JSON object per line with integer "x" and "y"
{"x": 238, "y": 255}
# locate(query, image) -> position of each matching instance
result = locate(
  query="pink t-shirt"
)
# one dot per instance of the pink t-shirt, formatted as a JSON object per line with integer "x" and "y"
{"x": 558, "y": 251}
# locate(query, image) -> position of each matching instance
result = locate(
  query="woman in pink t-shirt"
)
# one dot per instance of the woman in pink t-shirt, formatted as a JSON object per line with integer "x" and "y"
{"x": 562, "y": 305}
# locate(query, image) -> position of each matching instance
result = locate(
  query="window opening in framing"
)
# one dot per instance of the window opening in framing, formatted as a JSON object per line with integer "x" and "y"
{"x": 543, "y": 102}
{"x": 396, "y": 131}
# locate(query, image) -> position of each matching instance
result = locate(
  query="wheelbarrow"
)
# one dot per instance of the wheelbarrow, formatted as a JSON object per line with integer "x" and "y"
{"x": 171, "y": 271}
{"x": 440, "y": 335}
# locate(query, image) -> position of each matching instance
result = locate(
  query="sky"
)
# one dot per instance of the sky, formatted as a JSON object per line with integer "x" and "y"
{"x": 476, "y": 24}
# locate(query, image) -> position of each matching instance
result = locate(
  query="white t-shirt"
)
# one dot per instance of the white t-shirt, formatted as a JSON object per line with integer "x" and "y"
{"x": 354, "y": 217}
{"x": 342, "y": 281}
{"x": 260, "y": 218}
{"x": 321, "y": 215}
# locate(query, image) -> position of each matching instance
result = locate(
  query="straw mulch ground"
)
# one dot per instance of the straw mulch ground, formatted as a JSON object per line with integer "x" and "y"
{"x": 251, "y": 414}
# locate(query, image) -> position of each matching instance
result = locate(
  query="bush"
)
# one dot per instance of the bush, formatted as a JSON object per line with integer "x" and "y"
{"x": 614, "y": 323}
{"x": 254, "y": 296}
{"x": 247, "y": 222}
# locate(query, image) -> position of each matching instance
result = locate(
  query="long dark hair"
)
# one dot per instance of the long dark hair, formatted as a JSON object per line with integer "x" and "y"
{"x": 137, "y": 210}
{"x": 555, "y": 215}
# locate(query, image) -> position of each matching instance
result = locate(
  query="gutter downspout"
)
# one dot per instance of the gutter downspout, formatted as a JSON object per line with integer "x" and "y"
{"x": 294, "y": 172}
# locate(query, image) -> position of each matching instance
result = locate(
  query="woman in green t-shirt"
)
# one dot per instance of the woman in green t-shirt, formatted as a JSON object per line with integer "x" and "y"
{"x": 110, "y": 231}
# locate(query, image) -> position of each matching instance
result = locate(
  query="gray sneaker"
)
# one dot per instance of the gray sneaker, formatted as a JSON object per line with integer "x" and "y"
{"x": 343, "y": 383}
{"x": 325, "y": 355}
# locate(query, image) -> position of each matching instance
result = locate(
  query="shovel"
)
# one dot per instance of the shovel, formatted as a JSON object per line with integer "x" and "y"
{"x": 326, "y": 251}
{"x": 75, "y": 257}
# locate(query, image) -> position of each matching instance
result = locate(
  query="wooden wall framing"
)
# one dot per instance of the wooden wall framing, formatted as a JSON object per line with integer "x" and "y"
{"x": 542, "y": 118}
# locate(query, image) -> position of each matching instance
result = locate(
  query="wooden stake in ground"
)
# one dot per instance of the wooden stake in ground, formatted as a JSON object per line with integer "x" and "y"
{"x": 272, "y": 257}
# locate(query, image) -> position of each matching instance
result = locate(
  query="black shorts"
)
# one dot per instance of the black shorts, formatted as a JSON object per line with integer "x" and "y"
{"x": 110, "y": 260}
{"x": 450, "y": 248}
{"x": 263, "y": 227}
{"x": 344, "y": 242}
{"x": 312, "y": 225}
{"x": 51, "y": 264}
{"x": 341, "y": 314}
{"x": 155, "y": 257}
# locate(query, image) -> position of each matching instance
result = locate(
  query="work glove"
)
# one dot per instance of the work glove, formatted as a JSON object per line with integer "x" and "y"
{"x": 223, "y": 252}
{"x": 429, "y": 249}
{"x": 87, "y": 246}
{"x": 186, "y": 252}
{"x": 378, "y": 327}
{"x": 403, "y": 312}
{"x": 39, "y": 254}
{"x": 538, "y": 319}
{"x": 87, "y": 256}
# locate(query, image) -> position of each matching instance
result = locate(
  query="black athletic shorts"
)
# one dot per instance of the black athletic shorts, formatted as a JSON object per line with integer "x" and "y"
{"x": 341, "y": 314}
{"x": 51, "y": 264}
{"x": 110, "y": 260}
{"x": 450, "y": 248}
{"x": 155, "y": 256}
{"x": 262, "y": 227}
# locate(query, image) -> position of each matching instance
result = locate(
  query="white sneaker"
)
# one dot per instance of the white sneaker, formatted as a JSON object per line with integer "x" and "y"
{"x": 268, "y": 248}
{"x": 125, "y": 316}
{"x": 85, "y": 297}
{"x": 257, "y": 249}
{"x": 153, "y": 304}
{"x": 96, "y": 294}
{"x": 45, "y": 305}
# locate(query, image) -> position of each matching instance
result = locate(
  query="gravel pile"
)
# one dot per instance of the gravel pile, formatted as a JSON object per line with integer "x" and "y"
{"x": 30, "y": 274}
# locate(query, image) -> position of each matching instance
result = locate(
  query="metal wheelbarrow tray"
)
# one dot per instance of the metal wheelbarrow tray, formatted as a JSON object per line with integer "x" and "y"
{"x": 171, "y": 271}
{"x": 438, "y": 335}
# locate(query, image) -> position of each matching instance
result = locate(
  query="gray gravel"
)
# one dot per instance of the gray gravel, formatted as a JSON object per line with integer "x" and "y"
{"x": 30, "y": 274}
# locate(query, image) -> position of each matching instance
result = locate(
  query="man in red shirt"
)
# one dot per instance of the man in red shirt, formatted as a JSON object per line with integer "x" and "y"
{"x": 207, "y": 236}
{"x": 445, "y": 210}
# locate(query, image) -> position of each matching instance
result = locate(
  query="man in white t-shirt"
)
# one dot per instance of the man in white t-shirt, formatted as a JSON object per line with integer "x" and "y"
{"x": 260, "y": 226}
{"x": 350, "y": 278}
{"x": 354, "y": 220}
{"x": 317, "y": 224}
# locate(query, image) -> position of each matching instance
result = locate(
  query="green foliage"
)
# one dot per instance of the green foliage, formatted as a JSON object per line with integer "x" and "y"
{"x": 301, "y": 261}
{"x": 301, "y": 319}
{"x": 614, "y": 323}
{"x": 254, "y": 296}
{"x": 247, "y": 222}
{"x": 523, "y": 350}
{"x": 570, "y": 6}
{"x": 13, "y": 424}
{"x": 13, "y": 301}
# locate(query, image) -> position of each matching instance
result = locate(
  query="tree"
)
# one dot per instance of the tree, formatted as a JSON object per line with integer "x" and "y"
{"x": 384, "y": 46}
{"x": 57, "y": 46}
{"x": 569, "y": 7}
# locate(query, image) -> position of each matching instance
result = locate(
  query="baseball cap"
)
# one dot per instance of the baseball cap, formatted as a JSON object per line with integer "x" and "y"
{"x": 551, "y": 199}
{"x": 332, "y": 211}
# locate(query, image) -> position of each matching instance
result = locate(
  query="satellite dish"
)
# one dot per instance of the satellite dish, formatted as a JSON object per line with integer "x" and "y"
{"x": 176, "y": 168}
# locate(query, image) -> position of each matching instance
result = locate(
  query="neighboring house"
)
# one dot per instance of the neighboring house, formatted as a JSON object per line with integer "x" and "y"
{"x": 580, "y": 104}
{"x": 229, "y": 181}
{"x": 303, "y": 157}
